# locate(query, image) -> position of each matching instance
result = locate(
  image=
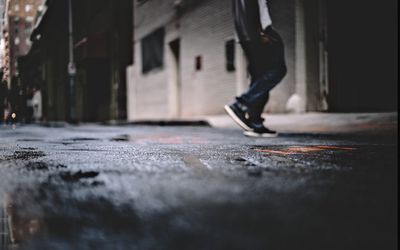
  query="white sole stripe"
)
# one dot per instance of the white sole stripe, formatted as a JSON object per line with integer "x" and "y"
{"x": 257, "y": 135}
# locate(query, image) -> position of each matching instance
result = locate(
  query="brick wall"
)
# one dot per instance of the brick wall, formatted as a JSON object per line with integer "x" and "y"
{"x": 203, "y": 30}
{"x": 149, "y": 91}
{"x": 204, "y": 33}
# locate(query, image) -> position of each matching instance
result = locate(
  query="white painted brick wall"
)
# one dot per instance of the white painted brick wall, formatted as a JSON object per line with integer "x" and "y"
{"x": 149, "y": 91}
{"x": 203, "y": 31}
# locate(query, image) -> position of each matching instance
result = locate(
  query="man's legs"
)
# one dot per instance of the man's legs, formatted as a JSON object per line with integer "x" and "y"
{"x": 267, "y": 68}
{"x": 257, "y": 96}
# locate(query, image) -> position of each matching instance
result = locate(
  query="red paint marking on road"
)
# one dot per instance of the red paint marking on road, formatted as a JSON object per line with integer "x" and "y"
{"x": 275, "y": 152}
{"x": 302, "y": 150}
{"x": 336, "y": 148}
{"x": 291, "y": 150}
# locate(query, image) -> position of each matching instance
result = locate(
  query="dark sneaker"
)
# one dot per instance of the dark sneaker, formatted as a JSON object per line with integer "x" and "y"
{"x": 261, "y": 132}
{"x": 238, "y": 113}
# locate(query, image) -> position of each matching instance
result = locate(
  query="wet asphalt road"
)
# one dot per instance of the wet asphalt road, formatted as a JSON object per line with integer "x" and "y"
{"x": 138, "y": 187}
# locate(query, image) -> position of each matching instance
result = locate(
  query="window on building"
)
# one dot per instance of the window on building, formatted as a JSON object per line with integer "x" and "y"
{"x": 30, "y": 19}
{"x": 198, "y": 63}
{"x": 230, "y": 55}
{"x": 153, "y": 51}
{"x": 28, "y": 8}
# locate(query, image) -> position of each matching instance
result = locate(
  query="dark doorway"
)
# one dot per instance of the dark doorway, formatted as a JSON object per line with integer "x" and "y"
{"x": 362, "y": 48}
{"x": 97, "y": 96}
{"x": 175, "y": 84}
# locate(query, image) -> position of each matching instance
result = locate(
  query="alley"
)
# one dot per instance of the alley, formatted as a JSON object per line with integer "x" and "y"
{"x": 195, "y": 187}
{"x": 119, "y": 125}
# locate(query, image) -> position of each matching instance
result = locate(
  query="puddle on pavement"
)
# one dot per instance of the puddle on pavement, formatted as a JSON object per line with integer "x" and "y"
{"x": 43, "y": 166}
{"x": 86, "y": 150}
{"x": 240, "y": 159}
{"x": 30, "y": 140}
{"x": 26, "y": 155}
{"x": 255, "y": 171}
{"x": 252, "y": 168}
{"x": 75, "y": 140}
{"x": 16, "y": 227}
{"x": 78, "y": 139}
{"x": 22, "y": 211}
{"x": 160, "y": 139}
{"x": 78, "y": 176}
{"x": 29, "y": 149}
{"x": 121, "y": 138}
{"x": 193, "y": 161}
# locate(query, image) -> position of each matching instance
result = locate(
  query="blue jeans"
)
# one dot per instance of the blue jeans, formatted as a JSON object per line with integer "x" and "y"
{"x": 267, "y": 68}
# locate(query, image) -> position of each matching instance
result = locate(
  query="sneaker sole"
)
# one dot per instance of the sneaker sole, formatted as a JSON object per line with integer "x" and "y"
{"x": 236, "y": 119}
{"x": 258, "y": 135}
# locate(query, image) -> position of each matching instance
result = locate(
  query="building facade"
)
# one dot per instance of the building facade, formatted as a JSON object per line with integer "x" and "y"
{"x": 102, "y": 49}
{"x": 187, "y": 62}
{"x": 19, "y": 20}
{"x": 191, "y": 68}
{"x": 2, "y": 41}
{"x": 203, "y": 67}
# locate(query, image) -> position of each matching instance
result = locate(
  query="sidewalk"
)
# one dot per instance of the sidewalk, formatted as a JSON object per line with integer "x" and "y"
{"x": 374, "y": 123}
{"x": 307, "y": 123}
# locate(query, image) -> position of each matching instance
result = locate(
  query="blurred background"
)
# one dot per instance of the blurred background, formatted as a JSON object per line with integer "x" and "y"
{"x": 102, "y": 60}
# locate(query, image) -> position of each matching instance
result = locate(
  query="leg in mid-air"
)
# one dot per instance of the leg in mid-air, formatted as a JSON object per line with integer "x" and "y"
{"x": 267, "y": 68}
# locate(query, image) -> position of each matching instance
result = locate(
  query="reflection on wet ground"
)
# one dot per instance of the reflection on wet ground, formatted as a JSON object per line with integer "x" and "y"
{"x": 4, "y": 233}
{"x": 16, "y": 227}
